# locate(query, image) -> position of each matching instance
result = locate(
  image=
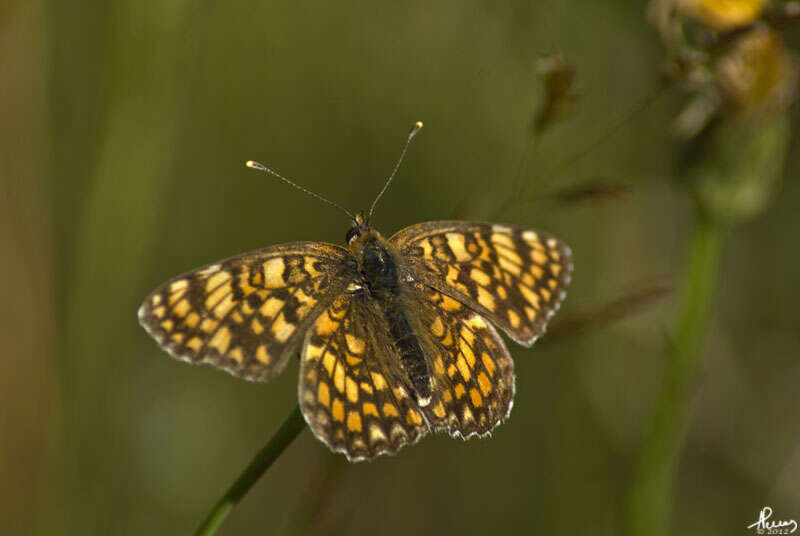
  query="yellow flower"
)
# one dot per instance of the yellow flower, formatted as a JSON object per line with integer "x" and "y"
{"x": 724, "y": 15}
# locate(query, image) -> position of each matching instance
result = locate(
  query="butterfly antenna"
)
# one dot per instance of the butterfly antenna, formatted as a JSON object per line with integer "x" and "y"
{"x": 261, "y": 167}
{"x": 414, "y": 130}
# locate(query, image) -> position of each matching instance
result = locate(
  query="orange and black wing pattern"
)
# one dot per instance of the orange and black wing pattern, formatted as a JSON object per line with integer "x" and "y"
{"x": 247, "y": 313}
{"x": 358, "y": 392}
{"x": 352, "y": 392}
{"x": 356, "y": 397}
{"x": 471, "y": 369}
{"x": 513, "y": 276}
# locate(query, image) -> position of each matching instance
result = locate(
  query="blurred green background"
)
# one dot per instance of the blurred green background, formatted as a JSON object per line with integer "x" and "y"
{"x": 125, "y": 128}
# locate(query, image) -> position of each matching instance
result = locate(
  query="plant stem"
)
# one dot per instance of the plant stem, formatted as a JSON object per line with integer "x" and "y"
{"x": 288, "y": 431}
{"x": 653, "y": 479}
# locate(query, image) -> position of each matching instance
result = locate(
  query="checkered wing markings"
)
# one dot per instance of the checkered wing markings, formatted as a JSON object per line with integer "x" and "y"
{"x": 245, "y": 314}
{"x": 351, "y": 390}
{"x": 472, "y": 370}
{"x": 514, "y": 277}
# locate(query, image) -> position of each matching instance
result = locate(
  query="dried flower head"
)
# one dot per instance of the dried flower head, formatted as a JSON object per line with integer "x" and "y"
{"x": 757, "y": 73}
{"x": 559, "y": 81}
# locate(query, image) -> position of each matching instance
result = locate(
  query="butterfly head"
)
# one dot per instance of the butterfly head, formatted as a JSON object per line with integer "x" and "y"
{"x": 361, "y": 229}
{"x": 373, "y": 254}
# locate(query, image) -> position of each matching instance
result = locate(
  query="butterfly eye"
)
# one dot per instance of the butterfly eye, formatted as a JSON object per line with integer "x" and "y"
{"x": 352, "y": 234}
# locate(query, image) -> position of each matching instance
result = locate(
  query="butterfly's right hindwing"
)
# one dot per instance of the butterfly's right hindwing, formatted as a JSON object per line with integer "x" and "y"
{"x": 245, "y": 314}
{"x": 473, "y": 373}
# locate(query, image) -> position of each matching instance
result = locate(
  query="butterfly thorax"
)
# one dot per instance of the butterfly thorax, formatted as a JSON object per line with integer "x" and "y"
{"x": 379, "y": 265}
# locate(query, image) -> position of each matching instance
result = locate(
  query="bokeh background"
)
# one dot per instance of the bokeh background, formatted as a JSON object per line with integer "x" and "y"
{"x": 125, "y": 128}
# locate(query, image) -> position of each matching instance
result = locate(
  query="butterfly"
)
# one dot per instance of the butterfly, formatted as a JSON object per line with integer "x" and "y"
{"x": 395, "y": 334}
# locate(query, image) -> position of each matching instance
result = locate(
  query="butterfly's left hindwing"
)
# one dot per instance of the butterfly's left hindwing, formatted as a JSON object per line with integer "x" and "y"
{"x": 245, "y": 314}
{"x": 352, "y": 391}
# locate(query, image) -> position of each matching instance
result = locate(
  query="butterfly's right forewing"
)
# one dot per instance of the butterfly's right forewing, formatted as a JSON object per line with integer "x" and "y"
{"x": 513, "y": 276}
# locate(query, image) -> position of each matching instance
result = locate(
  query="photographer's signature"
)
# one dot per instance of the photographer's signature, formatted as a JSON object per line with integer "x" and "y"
{"x": 765, "y": 526}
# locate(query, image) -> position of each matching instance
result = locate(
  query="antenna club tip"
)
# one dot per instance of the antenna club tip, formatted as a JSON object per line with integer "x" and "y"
{"x": 418, "y": 124}
{"x": 252, "y": 164}
{"x": 415, "y": 129}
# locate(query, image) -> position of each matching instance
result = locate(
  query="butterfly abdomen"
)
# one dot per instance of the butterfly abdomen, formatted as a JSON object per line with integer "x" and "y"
{"x": 380, "y": 270}
{"x": 411, "y": 356}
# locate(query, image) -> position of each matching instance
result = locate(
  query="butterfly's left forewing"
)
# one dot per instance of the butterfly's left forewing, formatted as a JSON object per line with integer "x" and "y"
{"x": 245, "y": 314}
